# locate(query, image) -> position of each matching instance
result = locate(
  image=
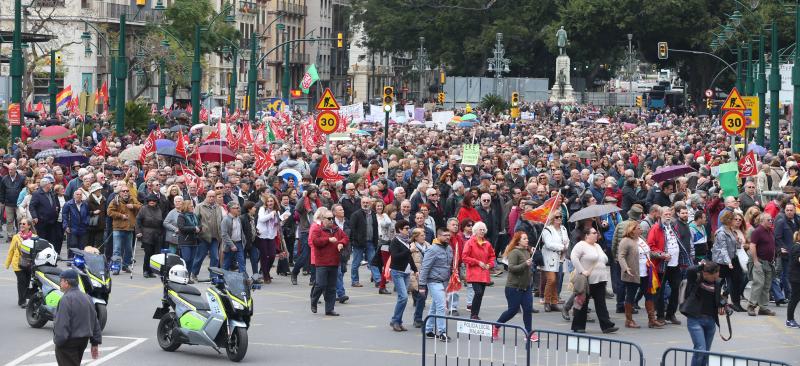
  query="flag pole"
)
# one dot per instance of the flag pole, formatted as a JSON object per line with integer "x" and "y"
{"x": 546, "y": 222}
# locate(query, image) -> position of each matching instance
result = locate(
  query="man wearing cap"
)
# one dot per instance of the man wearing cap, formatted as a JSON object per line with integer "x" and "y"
{"x": 75, "y": 323}
{"x": 10, "y": 187}
{"x": 75, "y": 221}
{"x": 44, "y": 208}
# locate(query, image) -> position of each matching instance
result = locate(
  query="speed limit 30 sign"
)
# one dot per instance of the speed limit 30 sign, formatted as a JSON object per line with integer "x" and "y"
{"x": 733, "y": 122}
{"x": 327, "y": 122}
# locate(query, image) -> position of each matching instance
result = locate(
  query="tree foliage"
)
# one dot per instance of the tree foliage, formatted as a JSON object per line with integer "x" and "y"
{"x": 137, "y": 115}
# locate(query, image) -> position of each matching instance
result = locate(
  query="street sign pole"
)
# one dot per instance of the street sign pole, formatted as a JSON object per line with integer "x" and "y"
{"x": 16, "y": 67}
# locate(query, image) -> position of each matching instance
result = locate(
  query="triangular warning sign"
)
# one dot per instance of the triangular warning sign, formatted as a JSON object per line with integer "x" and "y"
{"x": 734, "y": 101}
{"x": 327, "y": 102}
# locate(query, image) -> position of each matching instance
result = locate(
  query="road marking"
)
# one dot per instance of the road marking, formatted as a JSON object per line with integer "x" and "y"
{"x": 347, "y": 349}
{"x": 53, "y": 352}
{"x": 118, "y": 352}
{"x": 30, "y": 354}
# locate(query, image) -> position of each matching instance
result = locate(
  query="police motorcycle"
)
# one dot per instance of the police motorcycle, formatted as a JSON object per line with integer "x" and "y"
{"x": 218, "y": 319}
{"x": 96, "y": 280}
{"x": 44, "y": 290}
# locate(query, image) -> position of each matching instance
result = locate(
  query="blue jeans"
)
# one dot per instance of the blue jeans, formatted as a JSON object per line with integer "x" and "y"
{"x": 238, "y": 254}
{"x": 437, "y": 295}
{"x": 203, "y": 247}
{"x": 419, "y": 306}
{"x": 400, "y": 280}
{"x": 702, "y": 331}
{"x": 187, "y": 253}
{"x": 779, "y": 289}
{"x": 254, "y": 256}
{"x": 302, "y": 259}
{"x": 364, "y": 253}
{"x": 516, "y": 299}
{"x": 123, "y": 246}
{"x": 340, "y": 283}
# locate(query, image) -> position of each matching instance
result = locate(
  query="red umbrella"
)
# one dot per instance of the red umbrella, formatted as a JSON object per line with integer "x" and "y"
{"x": 216, "y": 153}
{"x": 54, "y": 133}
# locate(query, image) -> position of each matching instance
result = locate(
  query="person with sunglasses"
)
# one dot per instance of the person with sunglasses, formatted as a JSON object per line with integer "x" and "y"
{"x": 555, "y": 241}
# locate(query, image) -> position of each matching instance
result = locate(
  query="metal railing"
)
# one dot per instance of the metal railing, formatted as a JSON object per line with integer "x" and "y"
{"x": 112, "y": 12}
{"x": 558, "y": 348}
{"x": 471, "y": 342}
{"x": 293, "y": 9}
{"x": 680, "y": 356}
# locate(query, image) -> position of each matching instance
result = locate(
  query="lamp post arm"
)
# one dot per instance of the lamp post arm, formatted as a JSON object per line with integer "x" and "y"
{"x": 99, "y": 34}
{"x": 180, "y": 45}
{"x": 705, "y": 53}
{"x": 264, "y": 57}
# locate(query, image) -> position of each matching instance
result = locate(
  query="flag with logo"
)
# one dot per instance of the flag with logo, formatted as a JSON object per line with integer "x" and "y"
{"x": 180, "y": 145}
{"x": 310, "y": 77}
{"x": 149, "y": 145}
{"x": 101, "y": 148}
{"x": 203, "y": 114}
{"x": 327, "y": 172}
{"x": 263, "y": 161}
{"x": 230, "y": 136}
{"x": 246, "y": 136}
{"x": 748, "y": 165}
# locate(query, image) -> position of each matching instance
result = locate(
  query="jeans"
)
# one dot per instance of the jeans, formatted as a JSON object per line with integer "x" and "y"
{"x": 204, "y": 247}
{"x": 123, "y": 245}
{"x": 632, "y": 289}
{"x": 516, "y": 299}
{"x": 325, "y": 285}
{"x": 238, "y": 254}
{"x": 617, "y": 285}
{"x": 419, "y": 305}
{"x": 437, "y": 295}
{"x": 702, "y": 331}
{"x": 364, "y": 253}
{"x": 187, "y": 253}
{"x": 254, "y": 257}
{"x": 400, "y": 280}
{"x": 304, "y": 254}
{"x": 780, "y": 289}
{"x": 793, "y": 300}
{"x": 597, "y": 292}
{"x": 339, "y": 283}
{"x": 671, "y": 276}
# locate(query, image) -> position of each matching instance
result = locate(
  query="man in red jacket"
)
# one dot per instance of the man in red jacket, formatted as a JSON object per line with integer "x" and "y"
{"x": 328, "y": 241}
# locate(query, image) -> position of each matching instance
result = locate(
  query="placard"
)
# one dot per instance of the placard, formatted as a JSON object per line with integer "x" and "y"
{"x": 471, "y": 154}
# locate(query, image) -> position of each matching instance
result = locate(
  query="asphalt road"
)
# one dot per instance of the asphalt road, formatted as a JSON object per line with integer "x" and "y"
{"x": 285, "y": 332}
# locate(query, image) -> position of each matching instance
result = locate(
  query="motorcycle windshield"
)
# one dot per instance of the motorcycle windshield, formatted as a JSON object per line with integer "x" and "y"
{"x": 235, "y": 282}
{"x": 95, "y": 264}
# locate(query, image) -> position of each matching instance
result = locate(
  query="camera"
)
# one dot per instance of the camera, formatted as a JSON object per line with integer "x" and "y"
{"x": 728, "y": 310}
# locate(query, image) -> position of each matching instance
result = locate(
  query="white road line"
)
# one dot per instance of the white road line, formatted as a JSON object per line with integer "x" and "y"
{"x": 30, "y": 354}
{"x": 118, "y": 352}
{"x": 53, "y": 352}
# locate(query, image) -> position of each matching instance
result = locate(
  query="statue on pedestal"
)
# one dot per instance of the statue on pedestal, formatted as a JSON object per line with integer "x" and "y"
{"x": 561, "y": 40}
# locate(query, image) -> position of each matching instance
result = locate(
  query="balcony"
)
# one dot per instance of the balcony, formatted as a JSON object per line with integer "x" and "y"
{"x": 112, "y": 12}
{"x": 294, "y": 58}
{"x": 292, "y": 9}
{"x": 247, "y": 7}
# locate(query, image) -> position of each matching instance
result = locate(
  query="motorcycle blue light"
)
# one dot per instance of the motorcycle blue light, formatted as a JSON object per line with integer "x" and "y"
{"x": 78, "y": 261}
{"x": 115, "y": 266}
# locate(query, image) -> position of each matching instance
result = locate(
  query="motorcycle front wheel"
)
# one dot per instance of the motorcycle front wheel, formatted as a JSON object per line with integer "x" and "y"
{"x": 33, "y": 312}
{"x": 102, "y": 315}
{"x": 237, "y": 345}
{"x": 167, "y": 326}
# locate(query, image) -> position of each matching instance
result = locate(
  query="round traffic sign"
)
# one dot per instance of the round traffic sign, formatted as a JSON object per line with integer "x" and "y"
{"x": 709, "y": 93}
{"x": 327, "y": 122}
{"x": 733, "y": 122}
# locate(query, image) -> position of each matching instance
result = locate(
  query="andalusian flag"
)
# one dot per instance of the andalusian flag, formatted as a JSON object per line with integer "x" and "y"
{"x": 64, "y": 97}
{"x": 309, "y": 78}
{"x": 729, "y": 179}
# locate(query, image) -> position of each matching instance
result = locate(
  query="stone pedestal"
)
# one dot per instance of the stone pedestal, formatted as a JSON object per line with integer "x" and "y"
{"x": 562, "y": 88}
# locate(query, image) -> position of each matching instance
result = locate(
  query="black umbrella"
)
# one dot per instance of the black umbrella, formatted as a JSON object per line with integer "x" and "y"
{"x": 70, "y": 158}
{"x": 177, "y": 128}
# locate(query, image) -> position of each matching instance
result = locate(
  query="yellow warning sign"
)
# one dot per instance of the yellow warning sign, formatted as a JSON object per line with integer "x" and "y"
{"x": 327, "y": 102}
{"x": 751, "y": 114}
{"x": 734, "y": 101}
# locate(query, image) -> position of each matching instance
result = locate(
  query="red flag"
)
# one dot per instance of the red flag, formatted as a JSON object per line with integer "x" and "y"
{"x": 233, "y": 143}
{"x": 158, "y": 133}
{"x": 40, "y": 107}
{"x": 164, "y": 111}
{"x": 180, "y": 145}
{"x": 246, "y": 136}
{"x": 198, "y": 162}
{"x": 29, "y": 107}
{"x": 327, "y": 172}
{"x": 153, "y": 109}
{"x": 101, "y": 148}
{"x": 541, "y": 213}
{"x": 278, "y": 131}
{"x": 104, "y": 92}
{"x": 189, "y": 109}
{"x": 149, "y": 145}
{"x": 203, "y": 114}
{"x": 263, "y": 161}
{"x": 748, "y": 165}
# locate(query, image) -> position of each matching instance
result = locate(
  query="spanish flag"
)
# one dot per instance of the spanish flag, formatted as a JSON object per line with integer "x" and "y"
{"x": 64, "y": 97}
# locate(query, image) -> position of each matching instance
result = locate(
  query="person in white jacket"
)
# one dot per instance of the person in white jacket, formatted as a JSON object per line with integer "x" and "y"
{"x": 555, "y": 241}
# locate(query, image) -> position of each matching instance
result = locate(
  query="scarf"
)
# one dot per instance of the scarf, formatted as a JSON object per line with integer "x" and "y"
{"x": 25, "y": 236}
{"x": 97, "y": 199}
{"x": 307, "y": 203}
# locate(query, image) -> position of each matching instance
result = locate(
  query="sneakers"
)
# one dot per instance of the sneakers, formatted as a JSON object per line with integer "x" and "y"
{"x": 343, "y": 299}
{"x": 443, "y": 338}
{"x": 430, "y": 335}
{"x": 765, "y": 311}
{"x": 534, "y": 337}
{"x": 792, "y": 324}
{"x": 384, "y": 291}
{"x": 495, "y": 333}
{"x": 751, "y": 310}
{"x": 356, "y": 285}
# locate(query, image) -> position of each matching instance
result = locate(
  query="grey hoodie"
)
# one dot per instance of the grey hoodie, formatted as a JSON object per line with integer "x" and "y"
{"x": 436, "y": 264}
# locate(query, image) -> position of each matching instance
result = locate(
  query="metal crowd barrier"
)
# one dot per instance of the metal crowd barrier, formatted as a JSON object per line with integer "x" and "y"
{"x": 559, "y": 348}
{"x": 681, "y": 356}
{"x": 471, "y": 343}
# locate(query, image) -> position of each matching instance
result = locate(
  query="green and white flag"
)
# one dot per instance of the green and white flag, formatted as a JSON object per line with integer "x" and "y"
{"x": 309, "y": 78}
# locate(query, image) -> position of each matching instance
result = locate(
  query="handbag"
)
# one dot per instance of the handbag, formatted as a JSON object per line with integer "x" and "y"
{"x": 741, "y": 254}
{"x": 580, "y": 283}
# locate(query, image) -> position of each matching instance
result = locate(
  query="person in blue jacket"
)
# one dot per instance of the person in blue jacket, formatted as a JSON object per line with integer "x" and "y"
{"x": 75, "y": 221}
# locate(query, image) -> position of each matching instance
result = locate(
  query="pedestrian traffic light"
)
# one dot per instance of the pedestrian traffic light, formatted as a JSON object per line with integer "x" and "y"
{"x": 663, "y": 51}
{"x": 388, "y": 98}
{"x": 514, "y": 99}
{"x": 339, "y": 40}
{"x": 638, "y": 100}
{"x": 441, "y": 98}
{"x": 709, "y": 103}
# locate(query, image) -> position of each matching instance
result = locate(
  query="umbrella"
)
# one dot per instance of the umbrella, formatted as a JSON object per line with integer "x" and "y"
{"x": 593, "y": 211}
{"x": 70, "y": 158}
{"x": 585, "y": 154}
{"x": 215, "y": 142}
{"x": 54, "y": 133}
{"x": 43, "y": 145}
{"x": 51, "y": 152}
{"x": 341, "y": 137}
{"x": 416, "y": 123}
{"x": 661, "y": 134}
{"x": 360, "y": 132}
{"x": 583, "y": 120}
{"x": 177, "y": 128}
{"x": 162, "y": 143}
{"x": 455, "y": 119}
{"x": 291, "y": 173}
{"x": 629, "y": 126}
{"x": 469, "y": 116}
{"x": 168, "y": 151}
{"x": 602, "y": 120}
{"x": 217, "y": 154}
{"x": 669, "y": 172}
{"x": 199, "y": 126}
{"x": 466, "y": 124}
{"x": 131, "y": 153}
{"x": 757, "y": 149}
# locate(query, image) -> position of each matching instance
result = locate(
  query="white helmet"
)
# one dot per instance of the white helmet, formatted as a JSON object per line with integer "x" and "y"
{"x": 178, "y": 274}
{"x": 47, "y": 256}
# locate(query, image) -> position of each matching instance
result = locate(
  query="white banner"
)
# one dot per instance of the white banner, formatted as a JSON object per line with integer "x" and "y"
{"x": 353, "y": 112}
{"x": 409, "y": 108}
{"x": 442, "y": 117}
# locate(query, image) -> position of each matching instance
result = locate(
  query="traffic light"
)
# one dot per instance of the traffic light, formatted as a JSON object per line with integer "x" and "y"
{"x": 514, "y": 99}
{"x": 709, "y": 103}
{"x": 339, "y": 40}
{"x": 638, "y": 100}
{"x": 441, "y": 98}
{"x": 663, "y": 51}
{"x": 388, "y": 98}
{"x": 442, "y": 77}
{"x": 58, "y": 59}
{"x": 141, "y": 3}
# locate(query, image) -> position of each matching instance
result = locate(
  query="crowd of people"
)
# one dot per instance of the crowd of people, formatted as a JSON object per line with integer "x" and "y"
{"x": 416, "y": 216}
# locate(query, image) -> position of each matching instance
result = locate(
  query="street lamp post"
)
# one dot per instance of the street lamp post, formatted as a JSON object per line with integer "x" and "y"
{"x": 51, "y": 89}
{"x": 774, "y": 92}
{"x": 748, "y": 71}
{"x": 252, "y": 77}
{"x": 121, "y": 74}
{"x": 286, "y": 75}
{"x": 16, "y": 68}
{"x": 498, "y": 63}
{"x": 162, "y": 83}
{"x": 630, "y": 66}
{"x": 761, "y": 89}
{"x": 420, "y": 65}
{"x": 796, "y": 84}
{"x": 739, "y": 84}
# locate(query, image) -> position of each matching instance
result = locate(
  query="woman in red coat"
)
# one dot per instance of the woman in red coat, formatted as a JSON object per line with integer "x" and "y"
{"x": 479, "y": 257}
{"x": 467, "y": 211}
{"x": 327, "y": 241}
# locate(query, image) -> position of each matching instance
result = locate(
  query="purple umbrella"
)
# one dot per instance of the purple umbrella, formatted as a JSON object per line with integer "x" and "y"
{"x": 162, "y": 143}
{"x": 757, "y": 149}
{"x": 665, "y": 173}
{"x": 70, "y": 158}
{"x": 42, "y": 145}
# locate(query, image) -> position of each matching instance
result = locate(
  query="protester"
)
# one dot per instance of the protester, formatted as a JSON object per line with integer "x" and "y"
{"x": 10, "y": 187}
{"x": 232, "y": 239}
{"x": 401, "y": 266}
{"x": 97, "y": 215}
{"x": 794, "y": 281}
{"x": 75, "y": 222}
{"x": 518, "y": 284}
{"x": 589, "y": 260}
{"x": 723, "y": 253}
{"x": 123, "y": 210}
{"x": 209, "y": 217}
{"x": 555, "y": 240}
{"x": 149, "y": 231}
{"x": 189, "y": 227}
{"x": 479, "y": 257}
{"x": 763, "y": 251}
{"x": 419, "y": 245}
{"x": 703, "y": 304}
{"x": 268, "y": 229}
{"x": 434, "y": 275}
{"x": 14, "y": 261}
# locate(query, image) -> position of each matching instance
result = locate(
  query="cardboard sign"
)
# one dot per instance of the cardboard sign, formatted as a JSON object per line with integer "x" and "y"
{"x": 471, "y": 154}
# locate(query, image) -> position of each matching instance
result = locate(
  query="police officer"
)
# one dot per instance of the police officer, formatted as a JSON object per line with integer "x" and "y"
{"x": 75, "y": 323}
